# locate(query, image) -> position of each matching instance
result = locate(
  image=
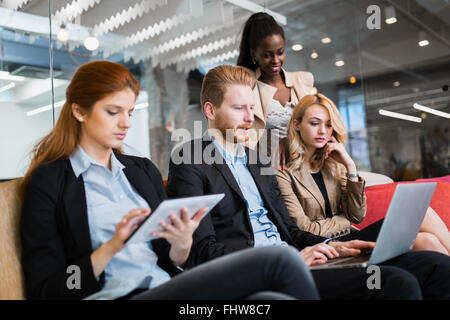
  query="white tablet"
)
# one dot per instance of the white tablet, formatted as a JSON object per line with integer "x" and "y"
{"x": 165, "y": 208}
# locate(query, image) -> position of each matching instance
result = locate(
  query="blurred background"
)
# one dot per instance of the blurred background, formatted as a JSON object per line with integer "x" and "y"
{"x": 370, "y": 57}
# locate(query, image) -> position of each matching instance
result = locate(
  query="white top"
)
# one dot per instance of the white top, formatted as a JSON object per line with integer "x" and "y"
{"x": 278, "y": 116}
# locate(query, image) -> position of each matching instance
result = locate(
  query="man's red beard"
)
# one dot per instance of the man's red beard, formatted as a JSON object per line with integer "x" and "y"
{"x": 223, "y": 126}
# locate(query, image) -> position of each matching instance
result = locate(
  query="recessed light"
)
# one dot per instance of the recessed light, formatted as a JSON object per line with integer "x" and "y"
{"x": 391, "y": 20}
{"x": 339, "y": 60}
{"x": 91, "y": 43}
{"x": 326, "y": 40}
{"x": 396, "y": 84}
{"x": 423, "y": 41}
{"x": 63, "y": 35}
{"x": 297, "y": 47}
{"x": 314, "y": 54}
{"x": 391, "y": 17}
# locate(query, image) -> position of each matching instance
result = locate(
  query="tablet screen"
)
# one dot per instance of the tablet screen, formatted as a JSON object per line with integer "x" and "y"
{"x": 165, "y": 208}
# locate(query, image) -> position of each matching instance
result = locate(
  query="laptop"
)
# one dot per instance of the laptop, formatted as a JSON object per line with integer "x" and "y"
{"x": 399, "y": 230}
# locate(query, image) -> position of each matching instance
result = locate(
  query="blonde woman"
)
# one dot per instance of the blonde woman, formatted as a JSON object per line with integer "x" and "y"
{"x": 321, "y": 186}
{"x": 82, "y": 198}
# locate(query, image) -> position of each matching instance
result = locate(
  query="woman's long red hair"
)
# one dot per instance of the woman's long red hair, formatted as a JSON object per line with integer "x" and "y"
{"x": 92, "y": 82}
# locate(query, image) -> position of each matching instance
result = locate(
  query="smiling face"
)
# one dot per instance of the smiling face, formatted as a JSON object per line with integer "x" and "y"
{"x": 105, "y": 126}
{"x": 270, "y": 54}
{"x": 315, "y": 127}
{"x": 234, "y": 117}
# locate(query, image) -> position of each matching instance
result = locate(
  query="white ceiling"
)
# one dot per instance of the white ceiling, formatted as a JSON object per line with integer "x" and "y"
{"x": 187, "y": 34}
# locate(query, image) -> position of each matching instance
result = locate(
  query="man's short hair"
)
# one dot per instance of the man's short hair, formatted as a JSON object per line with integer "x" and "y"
{"x": 217, "y": 79}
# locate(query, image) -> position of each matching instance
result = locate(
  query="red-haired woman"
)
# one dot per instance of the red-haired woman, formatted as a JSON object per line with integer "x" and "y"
{"x": 82, "y": 198}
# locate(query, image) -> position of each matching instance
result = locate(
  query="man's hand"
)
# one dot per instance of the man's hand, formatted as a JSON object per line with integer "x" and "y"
{"x": 352, "y": 248}
{"x": 318, "y": 254}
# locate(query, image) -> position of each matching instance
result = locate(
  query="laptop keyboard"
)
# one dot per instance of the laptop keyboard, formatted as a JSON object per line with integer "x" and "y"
{"x": 349, "y": 260}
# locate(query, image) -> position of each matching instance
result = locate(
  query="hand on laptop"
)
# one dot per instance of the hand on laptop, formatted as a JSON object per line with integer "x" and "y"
{"x": 352, "y": 248}
{"x": 318, "y": 254}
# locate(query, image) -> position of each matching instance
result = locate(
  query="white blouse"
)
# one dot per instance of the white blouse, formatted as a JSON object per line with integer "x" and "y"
{"x": 278, "y": 116}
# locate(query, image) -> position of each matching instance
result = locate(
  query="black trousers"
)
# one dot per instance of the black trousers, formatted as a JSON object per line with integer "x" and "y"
{"x": 369, "y": 233}
{"x": 276, "y": 273}
{"x": 256, "y": 273}
{"x": 413, "y": 275}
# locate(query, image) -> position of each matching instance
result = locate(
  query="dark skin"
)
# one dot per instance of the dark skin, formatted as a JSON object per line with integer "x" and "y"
{"x": 270, "y": 56}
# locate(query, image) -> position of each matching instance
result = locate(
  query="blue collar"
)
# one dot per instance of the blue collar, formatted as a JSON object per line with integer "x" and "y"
{"x": 81, "y": 162}
{"x": 227, "y": 156}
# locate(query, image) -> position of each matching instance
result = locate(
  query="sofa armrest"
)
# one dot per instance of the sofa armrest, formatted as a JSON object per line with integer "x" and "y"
{"x": 373, "y": 179}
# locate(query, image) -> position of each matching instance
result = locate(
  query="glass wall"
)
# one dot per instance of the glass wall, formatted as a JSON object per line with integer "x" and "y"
{"x": 25, "y": 85}
{"x": 365, "y": 56}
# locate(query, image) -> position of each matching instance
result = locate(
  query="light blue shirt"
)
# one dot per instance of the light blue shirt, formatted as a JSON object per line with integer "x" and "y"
{"x": 109, "y": 197}
{"x": 265, "y": 232}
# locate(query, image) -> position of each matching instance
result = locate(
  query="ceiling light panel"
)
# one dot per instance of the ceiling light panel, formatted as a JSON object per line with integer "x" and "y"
{"x": 74, "y": 9}
{"x": 254, "y": 7}
{"x": 168, "y": 18}
{"x": 216, "y": 18}
{"x": 127, "y": 15}
{"x": 174, "y": 8}
{"x": 200, "y": 51}
{"x": 193, "y": 64}
{"x": 7, "y": 87}
{"x": 431, "y": 110}
{"x": 399, "y": 116}
{"x": 13, "y": 4}
{"x": 5, "y": 75}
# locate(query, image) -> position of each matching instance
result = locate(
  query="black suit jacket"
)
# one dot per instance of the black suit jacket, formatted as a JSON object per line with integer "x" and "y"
{"x": 55, "y": 231}
{"x": 227, "y": 227}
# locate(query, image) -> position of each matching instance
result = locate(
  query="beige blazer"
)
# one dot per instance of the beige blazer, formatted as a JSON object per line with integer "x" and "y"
{"x": 306, "y": 204}
{"x": 302, "y": 84}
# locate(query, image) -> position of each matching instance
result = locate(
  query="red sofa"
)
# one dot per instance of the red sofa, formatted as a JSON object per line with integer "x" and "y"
{"x": 379, "y": 197}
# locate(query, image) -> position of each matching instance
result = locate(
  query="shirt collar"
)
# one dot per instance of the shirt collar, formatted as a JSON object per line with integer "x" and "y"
{"x": 240, "y": 154}
{"x": 81, "y": 162}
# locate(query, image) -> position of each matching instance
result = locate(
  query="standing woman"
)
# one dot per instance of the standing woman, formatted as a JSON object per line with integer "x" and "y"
{"x": 82, "y": 198}
{"x": 262, "y": 50}
{"x": 321, "y": 187}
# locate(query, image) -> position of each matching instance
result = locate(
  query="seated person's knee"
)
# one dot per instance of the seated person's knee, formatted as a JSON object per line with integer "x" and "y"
{"x": 426, "y": 241}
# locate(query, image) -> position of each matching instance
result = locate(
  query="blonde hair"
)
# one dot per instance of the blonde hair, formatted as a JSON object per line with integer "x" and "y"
{"x": 217, "y": 79}
{"x": 297, "y": 147}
